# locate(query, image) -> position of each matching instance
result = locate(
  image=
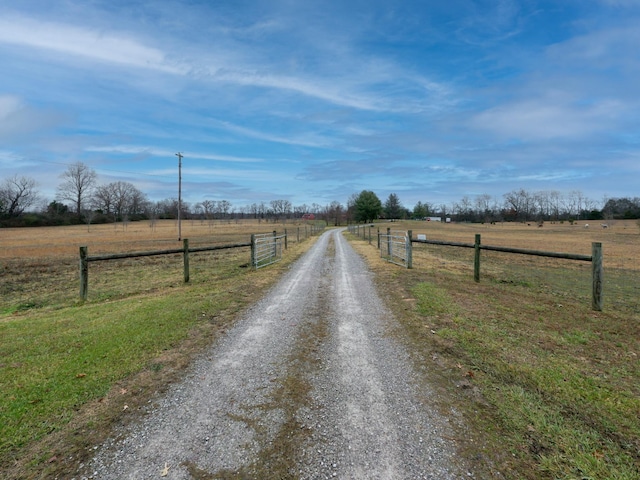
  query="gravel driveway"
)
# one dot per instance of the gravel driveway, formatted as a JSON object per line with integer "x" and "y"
{"x": 308, "y": 384}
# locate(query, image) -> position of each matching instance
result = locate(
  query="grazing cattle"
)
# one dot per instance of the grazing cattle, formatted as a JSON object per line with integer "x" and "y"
{"x": 604, "y": 225}
{"x": 586, "y": 225}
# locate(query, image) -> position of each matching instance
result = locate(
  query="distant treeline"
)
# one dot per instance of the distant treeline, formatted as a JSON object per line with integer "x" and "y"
{"x": 81, "y": 199}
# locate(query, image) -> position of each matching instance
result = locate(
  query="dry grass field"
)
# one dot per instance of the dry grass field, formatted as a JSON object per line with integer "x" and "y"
{"x": 621, "y": 239}
{"x": 621, "y": 251}
{"x": 40, "y": 266}
{"x": 63, "y": 242}
{"x": 544, "y": 387}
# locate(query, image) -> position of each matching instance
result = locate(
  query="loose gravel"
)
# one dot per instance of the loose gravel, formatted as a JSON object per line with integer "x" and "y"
{"x": 308, "y": 384}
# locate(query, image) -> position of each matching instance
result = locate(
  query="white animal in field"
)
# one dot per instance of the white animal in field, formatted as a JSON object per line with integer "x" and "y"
{"x": 604, "y": 225}
{"x": 586, "y": 225}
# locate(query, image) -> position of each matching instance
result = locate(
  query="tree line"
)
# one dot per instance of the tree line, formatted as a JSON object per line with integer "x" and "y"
{"x": 81, "y": 199}
{"x": 515, "y": 206}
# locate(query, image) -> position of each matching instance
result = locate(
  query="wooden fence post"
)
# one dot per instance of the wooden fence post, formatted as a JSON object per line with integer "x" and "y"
{"x": 409, "y": 249}
{"x": 298, "y": 235}
{"x": 286, "y": 244}
{"x": 253, "y": 250}
{"x": 84, "y": 273}
{"x": 185, "y": 255}
{"x": 389, "y": 250}
{"x": 476, "y": 259}
{"x": 597, "y": 276}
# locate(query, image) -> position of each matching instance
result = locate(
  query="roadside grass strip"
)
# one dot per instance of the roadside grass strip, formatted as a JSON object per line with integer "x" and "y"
{"x": 560, "y": 384}
{"x": 538, "y": 385}
{"x": 70, "y": 370}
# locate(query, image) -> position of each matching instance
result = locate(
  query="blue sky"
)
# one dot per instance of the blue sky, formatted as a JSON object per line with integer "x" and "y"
{"x": 312, "y": 101}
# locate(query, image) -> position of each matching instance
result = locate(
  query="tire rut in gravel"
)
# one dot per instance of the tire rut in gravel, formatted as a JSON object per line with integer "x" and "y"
{"x": 372, "y": 419}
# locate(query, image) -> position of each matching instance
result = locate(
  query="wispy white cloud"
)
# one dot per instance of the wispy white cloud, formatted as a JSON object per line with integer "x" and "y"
{"x": 345, "y": 80}
{"x": 18, "y": 119}
{"x": 158, "y": 152}
{"x": 544, "y": 119}
{"x": 307, "y": 139}
{"x": 8, "y": 159}
{"x": 69, "y": 39}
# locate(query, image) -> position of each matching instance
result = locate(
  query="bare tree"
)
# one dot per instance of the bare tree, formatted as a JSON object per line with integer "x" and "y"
{"x": 483, "y": 207}
{"x": 300, "y": 210}
{"x": 124, "y": 195}
{"x": 78, "y": 182}
{"x": 555, "y": 202}
{"x": 224, "y": 206}
{"x": 16, "y": 195}
{"x": 334, "y": 212}
{"x": 520, "y": 203}
{"x": 120, "y": 199}
{"x": 208, "y": 206}
{"x": 464, "y": 209}
{"x": 281, "y": 208}
{"x": 104, "y": 199}
{"x": 88, "y": 215}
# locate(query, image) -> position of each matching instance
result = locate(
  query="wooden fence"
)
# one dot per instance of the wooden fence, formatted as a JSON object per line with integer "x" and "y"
{"x": 595, "y": 258}
{"x": 185, "y": 250}
{"x": 85, "y": 258}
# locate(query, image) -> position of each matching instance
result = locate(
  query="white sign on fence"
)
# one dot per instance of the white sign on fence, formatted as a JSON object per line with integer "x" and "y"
{"x": 422, "y": 236}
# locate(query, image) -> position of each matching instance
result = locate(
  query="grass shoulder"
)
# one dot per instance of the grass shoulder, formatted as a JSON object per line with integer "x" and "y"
{"x": 68, "y": 374}
{"x": 542, "y": 390}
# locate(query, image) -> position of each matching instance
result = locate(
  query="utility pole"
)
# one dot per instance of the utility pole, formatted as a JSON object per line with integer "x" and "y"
{"x": 179, "y": 155}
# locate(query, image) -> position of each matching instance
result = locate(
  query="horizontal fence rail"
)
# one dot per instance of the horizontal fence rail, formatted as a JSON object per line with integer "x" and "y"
{"x": 522, "y": 251}
{"x": 390, "y": 246}
{"x": 276, "y": 242}
{"x": 595, "y": 258}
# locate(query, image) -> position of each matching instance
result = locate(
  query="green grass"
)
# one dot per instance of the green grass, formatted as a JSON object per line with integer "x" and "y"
{"x": 59, "y": 360}
{"x": 69, "y": 369}
{"x": 561, "y": 384}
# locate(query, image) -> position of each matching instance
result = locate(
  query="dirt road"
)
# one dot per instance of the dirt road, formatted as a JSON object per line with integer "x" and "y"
{"x": 308, "y": 384}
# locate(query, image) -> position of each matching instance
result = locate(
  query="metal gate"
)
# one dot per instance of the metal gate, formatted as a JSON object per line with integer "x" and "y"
{"x": 266, "y": 248}
{"x": 395, "y": 247}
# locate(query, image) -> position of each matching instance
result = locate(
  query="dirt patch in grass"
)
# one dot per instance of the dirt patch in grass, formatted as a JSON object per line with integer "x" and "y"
{"x": 543, "y": 386}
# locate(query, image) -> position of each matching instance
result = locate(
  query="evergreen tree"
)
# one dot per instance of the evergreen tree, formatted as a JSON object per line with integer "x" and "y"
{"x": 420, "y": 211}
{"x": 393, "y": 208}
{"x": 368, "y": 206}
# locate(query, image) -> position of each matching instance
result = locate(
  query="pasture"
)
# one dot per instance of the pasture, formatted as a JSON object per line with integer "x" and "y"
{"x": 70, "y": 369}
{"x": 544, "y": 387}
{"x": 40, "y": 265}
